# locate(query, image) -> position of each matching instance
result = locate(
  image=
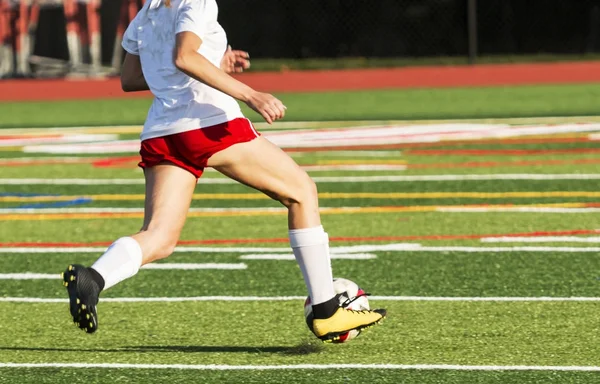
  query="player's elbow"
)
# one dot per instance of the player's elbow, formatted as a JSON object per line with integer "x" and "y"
{"x": 182, "y": 61}
{"x": 127, "y": 85}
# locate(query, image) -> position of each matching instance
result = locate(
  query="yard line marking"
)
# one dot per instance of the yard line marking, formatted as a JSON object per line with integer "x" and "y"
{"x": 42, "y": 213}
{"x": 163, "y": 266}
{"x": 400, "y": 247}
{"x": 333, "y": 239}
{"x": 541, "y": 239}
{"x": 29, "y": 276}
{"x": 501, "y": 152}
{"x": 277, "y": 256}
{"x": 323, "y": 195}
{"x": 322, "y": 179}
{"x": 105, "y": 210}
{"x": 506, "y": 299}
{"x": 249, "y": 250}
{"x": 195, "y": 266}
{"x": 354, "y": 154}
{"x": 49, "y": 138}
{"x": 516, "y": 210}
{"x": 215, "y": 367}
{"x": 506, "y": 249}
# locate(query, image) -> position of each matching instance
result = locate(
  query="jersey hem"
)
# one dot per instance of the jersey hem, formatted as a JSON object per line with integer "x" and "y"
{"x": 179, "y": 127}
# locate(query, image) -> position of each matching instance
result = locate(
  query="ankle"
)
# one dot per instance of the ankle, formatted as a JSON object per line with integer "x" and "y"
{"x": 326, "y": 309}
{"x": 97, "y": 278}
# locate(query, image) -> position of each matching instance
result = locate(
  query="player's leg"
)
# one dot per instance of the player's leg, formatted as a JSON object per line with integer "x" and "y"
{"x": 262, "y": 165}
{"x": 169, "y": 191}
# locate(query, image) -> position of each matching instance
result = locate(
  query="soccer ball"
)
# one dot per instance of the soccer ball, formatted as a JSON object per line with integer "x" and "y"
{"x": 351, "y": 296}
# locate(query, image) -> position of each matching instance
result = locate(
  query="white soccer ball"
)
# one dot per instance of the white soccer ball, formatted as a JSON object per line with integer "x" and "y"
{"x": 351, "y": 296}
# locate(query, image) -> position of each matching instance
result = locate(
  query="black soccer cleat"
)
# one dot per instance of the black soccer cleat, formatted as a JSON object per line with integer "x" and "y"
{"x": 83, "y": 292}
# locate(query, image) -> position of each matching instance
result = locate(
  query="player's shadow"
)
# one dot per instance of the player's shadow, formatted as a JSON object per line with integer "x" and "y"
{"x": 304, "y": 348}
{"x": 204, "y": 349}
{"x": 301, "y": 349}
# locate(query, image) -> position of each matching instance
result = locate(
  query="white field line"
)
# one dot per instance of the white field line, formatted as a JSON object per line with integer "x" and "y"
{"x": 274, "y": 256}
{"x": 507, "y": 249}
{"x": 214, "y": 367}
{"x": 26, "y": 211}
{"x": 194, "y": 266}
{"x": 335, "y": 124}
{"x": 516, "y": 210}
{"x": 333, "y": 250}
{"x": 258, "y": 125}
{"x": 163, "y": 266}
{"x": 29, "y": 276}
{"x": 135, "y": 210}
{"x": 322, "y": 179}
{"x": 400, "y": 247}
{"x": 298, "y": 298}
{"x": 354, "y": 167}
{"x": 50, "y": 138}
{"x": 373, "y": 135}
{"x": 353, "y": 154}
{"x": 541, "y": 239}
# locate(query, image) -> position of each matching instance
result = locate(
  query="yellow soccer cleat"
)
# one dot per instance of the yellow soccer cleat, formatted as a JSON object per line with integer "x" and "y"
{"x": 345, "y": 320}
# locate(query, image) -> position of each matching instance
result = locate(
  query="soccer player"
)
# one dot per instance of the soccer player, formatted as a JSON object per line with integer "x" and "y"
{"x": 178, "y": 50}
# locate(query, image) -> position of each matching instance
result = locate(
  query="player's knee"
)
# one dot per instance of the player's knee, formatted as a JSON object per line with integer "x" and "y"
{"x": 303, "y": 193}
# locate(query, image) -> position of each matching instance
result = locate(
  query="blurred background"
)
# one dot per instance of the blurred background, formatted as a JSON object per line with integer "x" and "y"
{"x": 54, "y": 38}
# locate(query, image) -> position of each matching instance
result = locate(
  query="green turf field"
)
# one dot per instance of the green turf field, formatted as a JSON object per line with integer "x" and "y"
{"x": 484, "y": 251}
{"x": 547, "y": 100}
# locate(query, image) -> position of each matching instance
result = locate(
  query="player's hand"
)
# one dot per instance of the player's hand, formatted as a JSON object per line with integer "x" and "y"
{"x": 266, "y": 105}
{"x": 235, "y": 61}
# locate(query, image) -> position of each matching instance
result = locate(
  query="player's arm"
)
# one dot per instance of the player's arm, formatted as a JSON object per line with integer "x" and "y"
{"x": 188, "y": 60}
{"x": 132, "y": 77}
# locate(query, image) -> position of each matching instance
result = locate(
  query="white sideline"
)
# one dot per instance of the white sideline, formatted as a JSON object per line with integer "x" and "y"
{"x": 516, "y": 210}
{"x": 333, "y": 250}
{"x": 506, "y": 249}
{"x": 161, "y": 266}
{"x": 194, "y": 266}
{"x": 298, "y": 298}
{"x": 541, "y": 239}
{"x": 214, "y": 367}
{"x": 400, "y": 247}
{"x": 27, "y": 211}
{"x": 29, "y": 276}
{"x": 324, "y": 179}
{"x": 334, "y": 256}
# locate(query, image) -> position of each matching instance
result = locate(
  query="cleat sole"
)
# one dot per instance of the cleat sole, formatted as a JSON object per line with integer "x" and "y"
{"x": 84, "y": 316}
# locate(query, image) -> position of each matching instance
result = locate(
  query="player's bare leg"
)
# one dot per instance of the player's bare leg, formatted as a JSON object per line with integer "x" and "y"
{"x": 169, "y": 191}
{"x": 262, "y": 165}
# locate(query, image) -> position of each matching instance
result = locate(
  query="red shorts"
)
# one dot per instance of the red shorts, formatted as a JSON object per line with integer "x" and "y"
{"x": 191, "y": 150}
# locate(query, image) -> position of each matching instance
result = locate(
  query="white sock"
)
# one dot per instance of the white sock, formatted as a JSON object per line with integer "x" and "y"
{"x": 311, "y": 249}
{"x": 121, "y": 260}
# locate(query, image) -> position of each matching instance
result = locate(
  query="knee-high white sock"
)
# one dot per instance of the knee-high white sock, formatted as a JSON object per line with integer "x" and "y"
{"x": 311, "y": 249}
{"x": 121, "y": 260}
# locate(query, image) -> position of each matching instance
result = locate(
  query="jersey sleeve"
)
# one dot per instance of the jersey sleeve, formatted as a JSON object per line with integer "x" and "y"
{"x": 130, "y": 38}
{"x": 192, "y": 17}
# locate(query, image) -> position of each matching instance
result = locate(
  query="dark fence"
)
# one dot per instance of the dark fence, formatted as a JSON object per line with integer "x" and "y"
{"x": 379, "y": 28}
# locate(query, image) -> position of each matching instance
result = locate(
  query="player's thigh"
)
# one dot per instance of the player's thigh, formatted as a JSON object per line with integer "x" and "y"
{"x": 169, "y": 192}
{"x": 262, "y": 165}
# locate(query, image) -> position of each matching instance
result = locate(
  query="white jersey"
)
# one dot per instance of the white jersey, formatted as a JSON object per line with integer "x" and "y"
{"x": 180, "y": 102}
